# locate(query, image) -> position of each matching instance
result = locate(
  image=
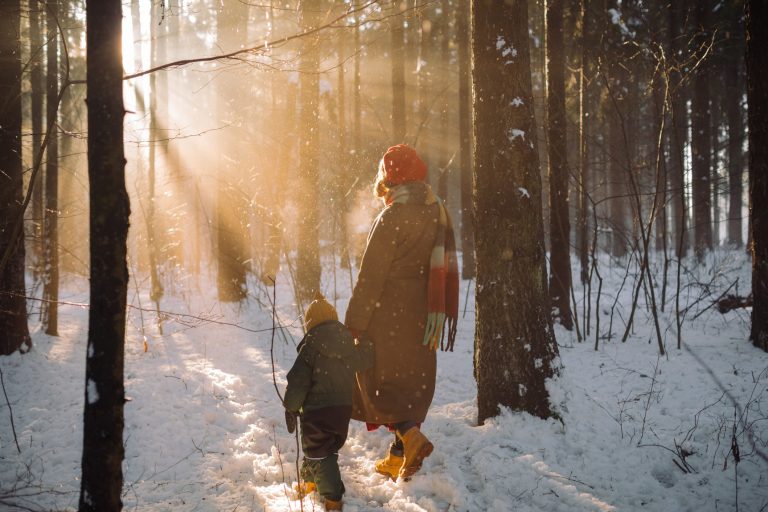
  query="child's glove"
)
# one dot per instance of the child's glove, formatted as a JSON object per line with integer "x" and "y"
{"x": 290, "y": 421}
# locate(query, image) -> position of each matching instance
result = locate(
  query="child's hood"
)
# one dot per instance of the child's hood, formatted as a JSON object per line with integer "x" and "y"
{"x": 330, "y": 339}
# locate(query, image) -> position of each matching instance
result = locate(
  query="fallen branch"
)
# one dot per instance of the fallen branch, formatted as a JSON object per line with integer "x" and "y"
{"x": 731, "y": 302}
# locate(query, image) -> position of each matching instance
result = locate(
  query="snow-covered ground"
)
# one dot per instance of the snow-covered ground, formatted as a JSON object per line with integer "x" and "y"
{"x": 204, "y": 427}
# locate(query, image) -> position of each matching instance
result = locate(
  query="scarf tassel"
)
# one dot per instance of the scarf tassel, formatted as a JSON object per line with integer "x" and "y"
{"x": 435, "y": 332}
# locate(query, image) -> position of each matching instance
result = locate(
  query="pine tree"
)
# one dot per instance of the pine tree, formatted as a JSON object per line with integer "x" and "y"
{"x": 515, "y": 348}
{"x": 701, "y": 145}
{"x": 757, "y": 95}
{"x": 308, "y": 265}
{"x": 102, "y": 474}
{"x": 13, "y": 307}
{"x": 51, "y": 217}
{"x": 560, "y": 226}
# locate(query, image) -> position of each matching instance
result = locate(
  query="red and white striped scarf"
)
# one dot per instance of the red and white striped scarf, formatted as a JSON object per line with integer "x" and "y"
{"x": 443, "y": 286}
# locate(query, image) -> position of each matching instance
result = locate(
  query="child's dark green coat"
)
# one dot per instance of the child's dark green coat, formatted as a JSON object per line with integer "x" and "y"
{"x": 324, "y": 372}
{"x": 321, "y": 383}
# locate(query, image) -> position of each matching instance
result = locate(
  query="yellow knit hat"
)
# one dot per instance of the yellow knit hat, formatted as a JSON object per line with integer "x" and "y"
{"x": 319, "y": 311}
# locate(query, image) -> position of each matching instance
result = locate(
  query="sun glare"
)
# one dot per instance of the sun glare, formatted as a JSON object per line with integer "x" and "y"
{"x": 128, "y": 44}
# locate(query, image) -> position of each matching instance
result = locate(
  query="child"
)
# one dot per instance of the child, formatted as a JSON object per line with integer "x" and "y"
{"x": 320, "y": 386}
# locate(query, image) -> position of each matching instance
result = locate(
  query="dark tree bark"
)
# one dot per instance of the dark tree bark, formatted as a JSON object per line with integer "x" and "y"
{"x": 397, "y": 55}
{"x": 51, "y": 224}
{"x": 308, "y": 264}
{"x": 757, "y": 98}
{"x": 658, "y": 124}
{"x": 515, "y": 349}
{"x": 559, "y": 222}
{"x": 701, "y": 136}
{"x": 102, "y": 477}
{"x": 13, "y": 306}
{"x": 716, "y": 90}
{"x": 733, "y": 98}
{"x": 465, "y": 142}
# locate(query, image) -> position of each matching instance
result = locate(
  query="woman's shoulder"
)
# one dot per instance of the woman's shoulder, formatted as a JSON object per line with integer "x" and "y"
{"x": 398, "y": 212}
{"x": 389, "y": 214}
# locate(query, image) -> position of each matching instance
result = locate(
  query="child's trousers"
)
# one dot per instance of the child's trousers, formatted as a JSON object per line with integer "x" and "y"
{"x": 323, "y": 433}
{"x": 325, "y": 474}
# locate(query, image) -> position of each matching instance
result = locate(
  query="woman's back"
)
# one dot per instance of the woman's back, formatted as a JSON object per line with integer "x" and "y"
{"x": 389, "y": 303}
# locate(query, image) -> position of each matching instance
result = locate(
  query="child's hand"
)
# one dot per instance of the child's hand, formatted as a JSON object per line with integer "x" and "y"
{"x": 290, "y": 421}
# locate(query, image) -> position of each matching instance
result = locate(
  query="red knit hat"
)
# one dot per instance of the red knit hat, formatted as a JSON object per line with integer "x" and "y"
{"x": 401, "y": 163}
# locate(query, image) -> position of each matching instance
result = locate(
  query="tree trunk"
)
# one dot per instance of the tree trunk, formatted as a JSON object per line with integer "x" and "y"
{"x": 701, "y": 145}
{"x": 231, "y": 235}
{"x": 308, "y": 265}
{"x": 465, "y": 142}
{"x": 155, "y": 286}
{"x": 582, "y": 238}
{"x": 658, "y": 129}
{"x": 734, "y": 86}
{"x": 13, "y": 306}
{"x": 281, "y": 89}
{"x": 515, "y": 348}
{"x": 559, "y": 222}
{"x": 619, "y": 165}
{"x": 102, "y": 474}
{"x": 716, "y": 91}
{"x": 444, "y": 156}
{"x": 51, "y": 224}
{"x": 357, "y": 105}
{"x": 36, "y": 111}
{"x": 757, "y": 98}
{"x": 678, "y": 131}
{"x": 397, "y": 54}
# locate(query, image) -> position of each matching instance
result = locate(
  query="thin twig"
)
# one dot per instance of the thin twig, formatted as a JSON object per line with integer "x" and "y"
{"x": 179, "y": 317}
{"x": 10, "y": 411}
{"x": 272, "y": 340}
{"x": 648, "y": 401}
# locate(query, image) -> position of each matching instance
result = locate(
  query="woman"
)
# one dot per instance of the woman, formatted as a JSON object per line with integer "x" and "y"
{"x": 406, "y": 289}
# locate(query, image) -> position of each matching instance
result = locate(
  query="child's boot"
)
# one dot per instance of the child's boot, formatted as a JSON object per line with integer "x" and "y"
{"x": 333, "y": 504}
{"x": 416, "y": 448}
{"x": 304, "y": 488}
{"x": 390, "y": 465}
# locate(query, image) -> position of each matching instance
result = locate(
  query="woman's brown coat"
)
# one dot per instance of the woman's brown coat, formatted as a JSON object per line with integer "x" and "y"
{"x": 389, "y": 304}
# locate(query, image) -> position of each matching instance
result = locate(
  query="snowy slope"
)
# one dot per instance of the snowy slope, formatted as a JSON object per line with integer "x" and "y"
{"x": 204, "y": 428}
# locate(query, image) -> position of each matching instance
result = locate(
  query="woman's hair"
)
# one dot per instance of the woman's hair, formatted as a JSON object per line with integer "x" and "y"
{"x": 380, "y": 186}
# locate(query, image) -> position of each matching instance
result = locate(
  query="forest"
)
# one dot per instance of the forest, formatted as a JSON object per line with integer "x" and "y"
{"x": 180, "y": 180}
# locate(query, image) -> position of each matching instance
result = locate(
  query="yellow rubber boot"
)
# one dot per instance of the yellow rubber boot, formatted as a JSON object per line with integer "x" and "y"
{"x": 416, "y": 448}
{"x": 390, "y": 465}
{"x": 334, "y": 505}
{"x": 304, "y": 488}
